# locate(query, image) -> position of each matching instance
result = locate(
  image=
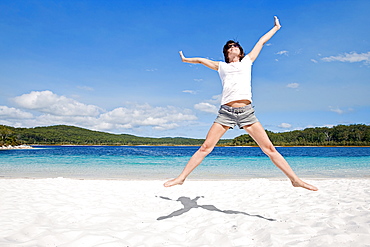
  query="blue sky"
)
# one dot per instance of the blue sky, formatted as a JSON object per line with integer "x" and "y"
{"x": 113, "y": 66}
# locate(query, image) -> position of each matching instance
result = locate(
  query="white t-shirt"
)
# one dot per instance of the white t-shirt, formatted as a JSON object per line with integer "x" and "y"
{"x": 236, "y": 80}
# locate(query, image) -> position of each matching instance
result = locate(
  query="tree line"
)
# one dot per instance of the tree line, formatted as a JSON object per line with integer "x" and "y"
{"x": 7, "y": 136}
{"x": 340, "y": 135}
{"x": 70, "y": 135}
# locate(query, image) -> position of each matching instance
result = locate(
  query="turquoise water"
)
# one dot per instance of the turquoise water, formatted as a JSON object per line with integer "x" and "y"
{"x": 102, "y": 162}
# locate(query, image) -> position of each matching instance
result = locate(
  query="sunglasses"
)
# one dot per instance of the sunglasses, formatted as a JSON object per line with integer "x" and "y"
{"x": 234, "y": 45}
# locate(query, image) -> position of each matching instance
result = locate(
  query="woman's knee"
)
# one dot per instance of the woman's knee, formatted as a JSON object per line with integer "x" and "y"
{"x": 269, "y": 150}
{"x": 206, "y": 148}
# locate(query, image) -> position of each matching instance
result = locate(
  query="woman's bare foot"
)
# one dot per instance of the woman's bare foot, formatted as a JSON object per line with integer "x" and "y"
{"x": 172, "y": 182}
{"x": 304, "y": 185}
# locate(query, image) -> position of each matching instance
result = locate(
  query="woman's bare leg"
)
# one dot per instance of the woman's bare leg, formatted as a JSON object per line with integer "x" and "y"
{"x": 213, "y": 136}
{"x": 258, "y": 133}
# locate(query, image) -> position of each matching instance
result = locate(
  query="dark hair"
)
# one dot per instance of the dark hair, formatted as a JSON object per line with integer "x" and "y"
{"x": 226, "y": 48}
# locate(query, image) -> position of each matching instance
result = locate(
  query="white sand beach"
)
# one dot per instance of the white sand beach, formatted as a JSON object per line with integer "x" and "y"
{"x": 256, "y": 212}
{"x": 10, "y": 147}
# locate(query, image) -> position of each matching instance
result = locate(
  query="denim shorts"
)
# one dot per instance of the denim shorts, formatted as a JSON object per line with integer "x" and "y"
{"x": 241, "y": 116}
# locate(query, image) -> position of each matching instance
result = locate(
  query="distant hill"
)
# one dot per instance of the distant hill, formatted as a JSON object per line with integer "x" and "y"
{"x": 340, "y": 135}
{"x": 71, "y": 135}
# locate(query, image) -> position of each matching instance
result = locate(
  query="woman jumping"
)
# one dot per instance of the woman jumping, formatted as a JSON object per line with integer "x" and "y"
{"x": 236, "y": 108}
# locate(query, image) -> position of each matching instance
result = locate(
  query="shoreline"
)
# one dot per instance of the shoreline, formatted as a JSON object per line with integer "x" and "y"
{"x": 81, "y": 145}
{"x": 10, "y": 147}
{"x": 158, "y": 179}
{"x": 282, "y": 178}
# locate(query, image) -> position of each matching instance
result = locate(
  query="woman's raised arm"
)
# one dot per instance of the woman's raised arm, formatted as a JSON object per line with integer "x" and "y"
{"x": 258, "y": 47}
{"x": 206, "y": 62}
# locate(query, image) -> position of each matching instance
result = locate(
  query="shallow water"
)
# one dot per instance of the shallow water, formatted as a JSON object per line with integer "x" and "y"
{"x": 152, "y": 162}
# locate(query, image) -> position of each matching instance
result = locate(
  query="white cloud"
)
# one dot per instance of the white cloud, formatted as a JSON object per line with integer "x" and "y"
{"x": 136, "y": 116}
{"x": 48, "y": 102}
{"x": 86, "y": 88}
{"x": 339, "y": 110}
{"x": 206, "y": 107}
{"x": 51, "y": 109}
{"x": 283, "y": 53}
{"x": 210, "y": 106}
{"x": 13, "y": 113}
{"x": 285, "y": 125}
{"x": 293, "y": 85}
{"x": 352, "y": 57}
{"x": 336, "y": 109}
{"x": 314, "y": 61}
{"x": 189, "y": 91}
{"x": 166, "y": 126}
{"x": 216, "y": 99}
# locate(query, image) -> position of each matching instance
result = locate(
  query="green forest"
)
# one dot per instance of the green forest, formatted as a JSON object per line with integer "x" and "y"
{"x": 340, "y": 135}
{"x": 70, "y": 135}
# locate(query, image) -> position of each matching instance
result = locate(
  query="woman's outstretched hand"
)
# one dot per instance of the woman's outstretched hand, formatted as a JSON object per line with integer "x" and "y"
{"x": 277, "y": 23}
{"x": 182, "y": 56}
{"x": 206, "y": 62}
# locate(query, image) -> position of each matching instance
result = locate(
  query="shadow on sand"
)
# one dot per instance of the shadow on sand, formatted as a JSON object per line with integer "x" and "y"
{"x": 192, "y": 203}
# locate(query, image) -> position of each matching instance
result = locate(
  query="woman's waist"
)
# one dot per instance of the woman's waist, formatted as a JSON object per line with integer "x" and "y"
{"x": 238, "y": 103}
{"x": 237, "y": 109}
